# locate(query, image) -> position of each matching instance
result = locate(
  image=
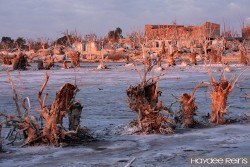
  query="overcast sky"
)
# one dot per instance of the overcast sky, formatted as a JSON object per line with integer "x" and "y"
{"x": 49, "y": 18}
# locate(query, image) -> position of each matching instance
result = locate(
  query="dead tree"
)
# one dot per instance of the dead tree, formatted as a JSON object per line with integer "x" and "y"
{"x": 193, "y": 58}
{"x": 75, "y": 59}
{"x": 171, "y": 58}
{"x": 20, "y": 62}
{"x": 30, "y": 128}
{"x": 53, "y": 132}
{"x": 6, "y": 60}
{"x": 143, "y": 99}
{"x": 64, "y": 65}
{"x": 40, "y": 65}
{"x": 49, "y": 63}
{"x": 214, "y": 55}
{"x": 15, "y": 96}
{"x": 219, "y": 92}
{"x": 75, "y": 115}
{"x": 188, "y": 110}
{"x": 243, "y": 57}
{"x": 102, "y": 66}
{"x": 162, "y": 54}
{"x": 26, "y": 124}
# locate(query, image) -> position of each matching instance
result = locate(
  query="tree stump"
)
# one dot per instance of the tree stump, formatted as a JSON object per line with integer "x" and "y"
{"x": 49, "y": 64}
{"x": 188, "y": 110}
{"x": 171, "y": 58}
{"x": 193, "y": 58}
{"x": 20, "y": 62}
{"x": 101, "y": 66}
{"x": 53, "y": 131}
{"x": 75, "y": 115}
{"x": 32, "y": 129}
{"x": 143, "y": 99}
{"x": 214, "y": 56}
{"x": 64, "y": 65}
{"x": 219, "y": 94}
{"x": 171, "y": 61}
{"x": 75, "y": 59}
{"x": 243, "y": 57}
{"x": 40, "y": 65}
{"x": 6, "y": 61}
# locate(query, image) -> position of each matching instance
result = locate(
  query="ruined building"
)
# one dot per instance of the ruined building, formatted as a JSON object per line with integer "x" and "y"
{"x": 176, "y": 37}
{"x": 177, "y": 32}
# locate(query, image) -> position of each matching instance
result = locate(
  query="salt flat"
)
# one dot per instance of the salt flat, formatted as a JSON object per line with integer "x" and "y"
{"x": 105, "y": 112}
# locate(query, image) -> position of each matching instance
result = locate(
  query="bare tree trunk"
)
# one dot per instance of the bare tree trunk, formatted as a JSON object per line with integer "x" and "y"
{"x": 219, "y": 94}
{"x": 75, "y": 59}
{"x": 40, "y": 65}
{"x": 15, "y": 97}
{"x": 6, "y": 60}
{"x": 243, "y": 57}
{"x": 193, "y": 58}
{"x": 143, "y": 99}
{"x": 171, "y": 60}
{"x": 50, "y": 63}
{"x": 212, "y": 56}
{"x": 52, "y": 131}
{"x": 75, "y": 115}
{"x": 188, "y": 109}
{"x": 20, "y": 62}
{"x": 64, "y": 65}
{"x": 31, "y": 128}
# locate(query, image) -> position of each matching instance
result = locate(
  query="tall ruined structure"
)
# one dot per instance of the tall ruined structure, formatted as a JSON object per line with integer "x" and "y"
{"x": 177, "y": 32}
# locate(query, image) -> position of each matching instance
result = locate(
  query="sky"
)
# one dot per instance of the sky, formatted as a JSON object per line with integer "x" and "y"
{"x": 50, "y": 18}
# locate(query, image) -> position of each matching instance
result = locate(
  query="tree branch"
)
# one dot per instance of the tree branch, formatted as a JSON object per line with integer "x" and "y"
{"x": 15, "y": 94}
{"x": 42, "y": 102}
